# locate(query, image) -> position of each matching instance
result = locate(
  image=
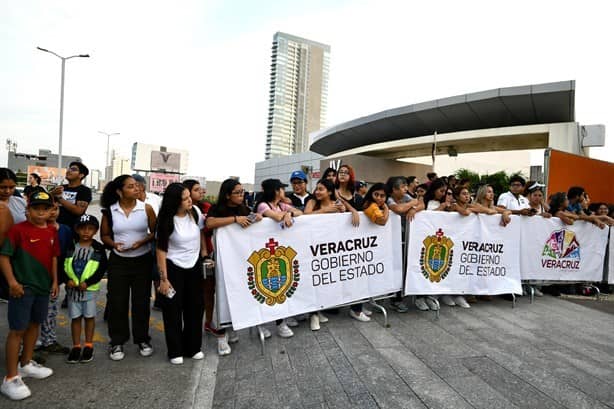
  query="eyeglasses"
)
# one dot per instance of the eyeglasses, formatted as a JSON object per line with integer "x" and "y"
{"x": 516, "y": 184}
{"x": 73, "y": 169}
{"x": 449, "y": 193}
{"x": 238, "y": 192}
{"x": 297, "y": 182}
{"x": 343, "y": 172}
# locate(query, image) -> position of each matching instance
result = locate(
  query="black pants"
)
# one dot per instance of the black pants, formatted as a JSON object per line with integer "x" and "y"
{"x": 129, "y": 283}
{"x": 183, "y": 314}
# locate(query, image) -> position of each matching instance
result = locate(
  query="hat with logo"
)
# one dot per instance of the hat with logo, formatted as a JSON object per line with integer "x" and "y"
{"x": 298, "y": 174}
{"x": 40, "y": 198}
{"x": 87, "y": 219}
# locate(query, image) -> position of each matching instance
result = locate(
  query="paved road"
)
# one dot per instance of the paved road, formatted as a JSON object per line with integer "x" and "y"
{"x": 551, "y": 354}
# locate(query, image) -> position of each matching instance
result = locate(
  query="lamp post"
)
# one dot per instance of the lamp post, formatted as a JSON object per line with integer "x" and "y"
{"x": 107, "y": 164}
{"x": 62, "y": 96}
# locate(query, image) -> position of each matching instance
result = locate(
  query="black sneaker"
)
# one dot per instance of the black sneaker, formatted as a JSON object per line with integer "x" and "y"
{"x": 74, "y": 355}
{"x": 145, "y": 349}
{"x": 87, "y": 355}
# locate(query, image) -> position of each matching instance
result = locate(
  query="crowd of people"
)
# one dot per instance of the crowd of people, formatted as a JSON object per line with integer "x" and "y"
{"x": 48, "y": 239}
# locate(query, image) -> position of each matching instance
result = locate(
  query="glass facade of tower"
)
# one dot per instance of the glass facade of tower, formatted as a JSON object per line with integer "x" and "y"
{"x": 298, "y": 93}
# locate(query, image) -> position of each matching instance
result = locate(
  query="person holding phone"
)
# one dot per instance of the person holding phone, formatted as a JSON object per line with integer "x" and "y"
{"x": 180, "y": 247}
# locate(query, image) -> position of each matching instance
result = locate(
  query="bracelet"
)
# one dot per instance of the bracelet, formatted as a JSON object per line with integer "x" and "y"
{"x": 235, "y": 219}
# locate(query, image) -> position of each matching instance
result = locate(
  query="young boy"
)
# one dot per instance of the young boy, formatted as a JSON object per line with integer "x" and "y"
{"x": 28, "y": 260}
{"x": 84, "y": 266}
{"x": 48, "y": 338}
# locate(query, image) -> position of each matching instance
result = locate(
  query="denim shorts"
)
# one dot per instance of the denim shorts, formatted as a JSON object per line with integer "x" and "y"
{"x": 26, "y": 309}
{"x": 82, "y": 304}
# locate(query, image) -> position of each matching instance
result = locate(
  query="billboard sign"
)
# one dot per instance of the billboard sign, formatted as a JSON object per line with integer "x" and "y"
{"x": 158, "y": 182}
{"x": 49, "y": 175}
{"x": 165, "y": 161}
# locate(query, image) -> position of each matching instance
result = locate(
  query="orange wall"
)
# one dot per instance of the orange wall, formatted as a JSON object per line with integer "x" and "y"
{"x": 595, "y": 176}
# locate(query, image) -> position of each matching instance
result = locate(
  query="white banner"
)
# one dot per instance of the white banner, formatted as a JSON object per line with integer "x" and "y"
{"x": 552, "y": 250}
{"x": 453, "y": 254}
{"x": 610, "y": 266}
{"x": 320, "y": 262}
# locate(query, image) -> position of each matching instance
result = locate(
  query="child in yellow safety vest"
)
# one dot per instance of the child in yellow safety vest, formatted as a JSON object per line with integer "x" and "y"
{"x": 84, "y": 266}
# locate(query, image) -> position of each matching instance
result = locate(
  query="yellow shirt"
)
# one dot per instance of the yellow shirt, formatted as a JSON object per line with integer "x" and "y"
{"x": 373, "y": 212}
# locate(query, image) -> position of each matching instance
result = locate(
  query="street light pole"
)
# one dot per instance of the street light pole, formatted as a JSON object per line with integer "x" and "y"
{"x": 62, "y": 96}
{"x": 107, "y": 159}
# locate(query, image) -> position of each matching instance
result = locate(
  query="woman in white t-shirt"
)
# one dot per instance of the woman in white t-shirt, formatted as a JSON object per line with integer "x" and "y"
{"x": 179, "y": 249}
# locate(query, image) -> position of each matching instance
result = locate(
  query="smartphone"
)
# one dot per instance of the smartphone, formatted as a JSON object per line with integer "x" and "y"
{"x": 170, "y": 293}
{"x": 252, "y": 217}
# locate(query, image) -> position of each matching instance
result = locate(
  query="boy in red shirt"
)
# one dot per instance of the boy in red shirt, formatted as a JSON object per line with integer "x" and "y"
{"x": 28, "y": 260}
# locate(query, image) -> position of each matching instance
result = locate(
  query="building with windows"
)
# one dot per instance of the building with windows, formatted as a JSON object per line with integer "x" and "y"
{"x": 298, "y": 94}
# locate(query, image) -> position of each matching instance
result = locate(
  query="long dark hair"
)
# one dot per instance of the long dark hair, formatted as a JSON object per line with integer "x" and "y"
{"x": 190, "y": 183}
{"x": 268, "y": 194}
{"x": 223, "y": 198}
{"x": 330, "y": 188}
{"x": 168, "y": 209}
{"x": 434, "y": 186}
{"x": 6, "y": 173}
{"x": 109, "y": 194}
{"x": 369, "y": 196}
{"x": 556, "y": 202}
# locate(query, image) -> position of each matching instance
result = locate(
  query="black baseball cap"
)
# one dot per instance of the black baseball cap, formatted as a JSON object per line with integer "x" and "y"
{"x": 87, "y": 219}
{"x": 272, "y": 184}
{"x": 40, "y": 197}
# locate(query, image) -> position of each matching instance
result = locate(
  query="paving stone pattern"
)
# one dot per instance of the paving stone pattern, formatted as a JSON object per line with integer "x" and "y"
{"x": 550, "y": 354}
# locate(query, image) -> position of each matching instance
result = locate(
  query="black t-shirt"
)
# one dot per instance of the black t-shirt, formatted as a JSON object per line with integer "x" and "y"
{"x": 73, "y": 195}
{"x": 297, "y": 202}
{"x": 225, "y": 211}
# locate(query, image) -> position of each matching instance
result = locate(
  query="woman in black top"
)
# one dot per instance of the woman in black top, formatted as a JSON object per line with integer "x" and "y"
{"x": 230, "y": 208}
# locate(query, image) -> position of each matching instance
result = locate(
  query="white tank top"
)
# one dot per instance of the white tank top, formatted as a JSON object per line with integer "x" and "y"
{"x": 130, "y": 229}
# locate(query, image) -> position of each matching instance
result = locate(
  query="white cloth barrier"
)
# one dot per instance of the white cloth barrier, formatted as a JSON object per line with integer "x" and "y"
{"x": 553, "y": 251}
{"x": 611, "y": 257}
{"x": 453, "y": 254}
{"x": 322, "y": 261}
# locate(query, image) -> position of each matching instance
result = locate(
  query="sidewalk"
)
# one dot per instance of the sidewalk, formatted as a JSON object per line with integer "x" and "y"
{"x": 550, "y": 354}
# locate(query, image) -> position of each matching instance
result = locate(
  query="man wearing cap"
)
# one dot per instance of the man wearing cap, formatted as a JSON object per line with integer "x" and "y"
{"x": 74, "y": 197}
{"x": 299, "y": 196}
{"x": 361, "y": 188}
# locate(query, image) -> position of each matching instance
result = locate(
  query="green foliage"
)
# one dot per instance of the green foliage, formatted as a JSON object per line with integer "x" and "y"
{"x": 500, "y": 181}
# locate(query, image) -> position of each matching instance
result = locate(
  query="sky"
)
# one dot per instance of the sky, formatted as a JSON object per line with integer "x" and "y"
{"x": 195, "y": 74}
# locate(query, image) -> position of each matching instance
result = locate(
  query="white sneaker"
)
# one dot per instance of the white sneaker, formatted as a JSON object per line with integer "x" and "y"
{"x": 117, "y": 353}
{"x": 359, "y": 316}
{"x": 198, "y": 356}
{"x": 233, "y": 337}
{"x": 145, "y": 349}
{"x": 432, "y": 303}
{"x": 283, "y": 330}
{"x": 292, "y": 322}
{"x": 177, "y": 361}
{"x": 322, "y": 318}
{"x": 366, "y": 311}
{"x": 448, "y": 300}
{"x": 421, "y": 304}
{"x": 34, "y": 370}
{"x": 222, "y": 346}
{"x": 461, "y": 302}
{"x": 314, "y": 322}
{"x": 15, "y": 389}
{"x": 265, "y": 331}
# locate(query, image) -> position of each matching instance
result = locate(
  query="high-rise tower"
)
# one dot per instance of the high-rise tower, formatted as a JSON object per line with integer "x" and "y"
{"x": 298, "y": 93}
